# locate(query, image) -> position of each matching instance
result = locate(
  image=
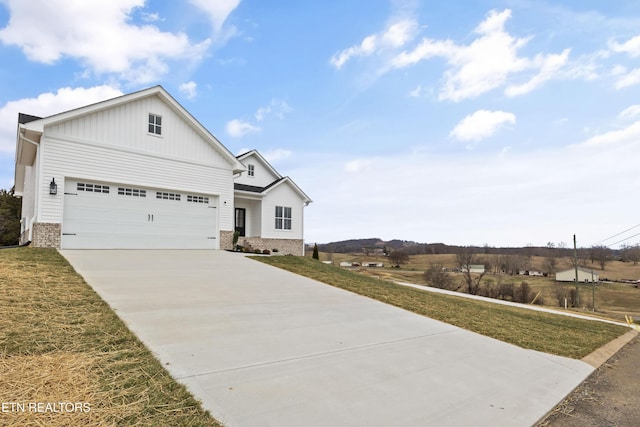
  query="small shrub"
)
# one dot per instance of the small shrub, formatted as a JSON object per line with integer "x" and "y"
{"x": 437, "y": 277}
{"x": 539, "y": 300}
{"x": 257, "y": 251}
{"x": 506, "y": 291}
{"x": 274, "y": 250}
{"x": 266, "y": 252}
{"x": 489, "y": 289}
{"x": 523, "y": 293}
{"x": 563, "y": 292}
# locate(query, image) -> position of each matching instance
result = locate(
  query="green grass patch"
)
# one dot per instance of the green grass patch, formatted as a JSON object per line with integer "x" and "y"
{"x": 60, "y": 342}
{"x": 546, "y": 332}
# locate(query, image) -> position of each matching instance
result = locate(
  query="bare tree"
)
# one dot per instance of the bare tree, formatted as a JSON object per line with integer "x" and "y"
{"x": 398, "y": 257}
{"x": 630, "y": 253}
{"x": 551, "y": 264}
{"x": 600, "y": 254}
{"x": 465, "y": 258}
{"x": 437, "y": 277}
{"x": 512, "y": 264}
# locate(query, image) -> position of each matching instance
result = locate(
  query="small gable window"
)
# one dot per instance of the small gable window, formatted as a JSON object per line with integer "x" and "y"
{"x": 251, "y": 171}
{"x": 283, "y": 218}
{"x": 155, "y": 124}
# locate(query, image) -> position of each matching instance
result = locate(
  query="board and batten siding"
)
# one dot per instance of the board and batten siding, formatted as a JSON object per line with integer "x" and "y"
{"x": 262, "y": 176}
{"x": 282, "y": 195}
{"x": 117, "y": 164}
{"x": 126, "y": 126}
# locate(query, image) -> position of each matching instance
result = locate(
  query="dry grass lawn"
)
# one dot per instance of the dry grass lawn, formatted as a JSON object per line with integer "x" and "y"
{"x": 550, "y": 333}
{"x": 62, "y": 347}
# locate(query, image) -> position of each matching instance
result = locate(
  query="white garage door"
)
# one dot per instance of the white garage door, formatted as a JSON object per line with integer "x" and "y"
{"x": 116, "y": 216}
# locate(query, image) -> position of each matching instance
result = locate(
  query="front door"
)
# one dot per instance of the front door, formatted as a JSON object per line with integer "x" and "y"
{"x": 241, "y": 215}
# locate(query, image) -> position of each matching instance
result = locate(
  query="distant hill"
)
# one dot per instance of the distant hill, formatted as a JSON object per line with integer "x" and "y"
{"x": 377, "y": 245}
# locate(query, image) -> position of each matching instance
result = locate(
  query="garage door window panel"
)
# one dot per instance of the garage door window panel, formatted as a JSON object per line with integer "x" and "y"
{"x": 134, "y": 192}
{"x": 167, "y": 196}
{"x": 197, "y": 199}
{"x": 92, "y": 188}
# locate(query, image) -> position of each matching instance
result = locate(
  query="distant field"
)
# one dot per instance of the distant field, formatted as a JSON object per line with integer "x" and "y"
{"x": 612, "y": 300}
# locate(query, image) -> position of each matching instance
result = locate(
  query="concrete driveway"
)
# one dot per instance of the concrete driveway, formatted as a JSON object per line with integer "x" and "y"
{"x": 263, "y": 347}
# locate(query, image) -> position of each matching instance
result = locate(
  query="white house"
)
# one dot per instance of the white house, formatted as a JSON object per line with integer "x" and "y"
{"x": 140, "y": 172}
{"x": 585, "y": 275}
{"x": 474, "y": 268}
{"x": 269, "y": 208}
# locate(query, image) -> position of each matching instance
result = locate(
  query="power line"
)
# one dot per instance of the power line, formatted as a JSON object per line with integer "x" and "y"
{"x": 627, "y": 238}
{"x": 616, "y": 235}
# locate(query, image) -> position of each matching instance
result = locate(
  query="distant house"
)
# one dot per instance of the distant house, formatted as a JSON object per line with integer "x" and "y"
{"x": 585, "y": 275}
{"x": 373, "y": 264}
{"x": 530, "y": 273}
{"x": 474, "y": 268}
{"x": 349, "y": 264}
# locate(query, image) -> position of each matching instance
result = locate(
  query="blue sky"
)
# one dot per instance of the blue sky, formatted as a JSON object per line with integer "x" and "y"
{"x": 506, "y": 123}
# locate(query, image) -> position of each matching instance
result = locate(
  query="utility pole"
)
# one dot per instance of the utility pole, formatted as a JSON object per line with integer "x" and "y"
{"x": 575, "y": 263}
{"x": 593, "y": 292}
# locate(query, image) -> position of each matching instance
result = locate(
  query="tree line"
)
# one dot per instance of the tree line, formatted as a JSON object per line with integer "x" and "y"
{"x": 10, "y": 208}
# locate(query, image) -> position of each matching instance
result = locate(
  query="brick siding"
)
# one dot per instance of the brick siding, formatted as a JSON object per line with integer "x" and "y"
{"x": 46, "y": 235}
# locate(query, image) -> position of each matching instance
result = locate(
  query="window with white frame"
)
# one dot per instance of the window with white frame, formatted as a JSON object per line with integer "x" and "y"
{"x": 283, "y": 218}
{"x": 251, "y": 171}
{"x": 155, "y": 124}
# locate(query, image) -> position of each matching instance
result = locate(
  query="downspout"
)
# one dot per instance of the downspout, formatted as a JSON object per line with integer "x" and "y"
{"x": 36, "y": 199}
{"x": 303, "y": 243}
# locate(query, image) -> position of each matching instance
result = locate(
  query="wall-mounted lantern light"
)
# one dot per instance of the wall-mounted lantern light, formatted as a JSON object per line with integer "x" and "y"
{"x": 53, "y": 187}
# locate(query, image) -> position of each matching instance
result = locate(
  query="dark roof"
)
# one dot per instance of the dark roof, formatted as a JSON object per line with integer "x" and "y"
{"x": 251, "y": 188}
{"x": 255, "y": 189}
{"x": 26, "y": 118}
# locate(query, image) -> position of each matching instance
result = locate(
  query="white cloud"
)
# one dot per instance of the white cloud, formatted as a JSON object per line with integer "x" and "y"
{"x": 630, "y": 47}
{"x": 218, "y": 10}
{"x": 479, "y": 67}
{"x": 626, "y": 136}
{"x": 151, "y": 17}
{"x": 237, "y": 128}
{"x": 481, "y": 124}
{"x": 189, "y": 89}
{"x": 630, "y": 112}
{"x": 396, "y": 35}
{"x": 47, "y": 104}
{"x": 358, "y": 165}
{"x": 275, "y": 155}
{"x": 276, "y": 108}
{"x": 486, "y": 63}
{"x": 419, "y": 92}
{"x": 628, "y": 79}
{"x": 98, "y": 34}
{"x": 548, "y": 66}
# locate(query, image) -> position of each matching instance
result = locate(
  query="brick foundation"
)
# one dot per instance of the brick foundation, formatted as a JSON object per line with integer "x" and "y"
{"x": 226, "y": 240}
{"x": 284, "y": 246}
{"x": 46, "y": 235}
